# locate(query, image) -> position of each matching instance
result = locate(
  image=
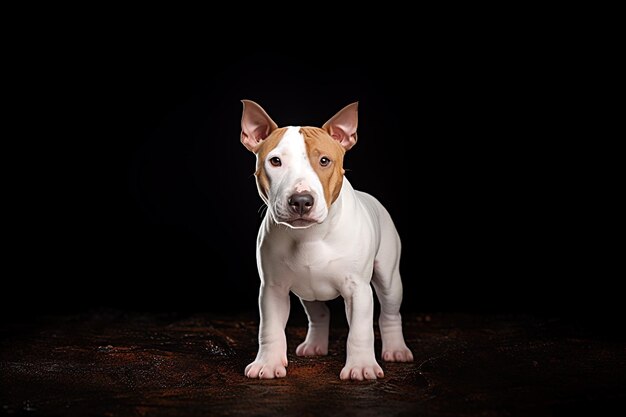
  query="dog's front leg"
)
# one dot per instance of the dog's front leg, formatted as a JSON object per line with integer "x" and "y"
{"x": 361, "y": 361}
{"x": 271, "y": 360}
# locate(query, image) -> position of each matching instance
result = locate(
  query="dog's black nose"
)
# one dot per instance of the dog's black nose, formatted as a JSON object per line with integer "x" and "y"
{"x": 301, "y": 203}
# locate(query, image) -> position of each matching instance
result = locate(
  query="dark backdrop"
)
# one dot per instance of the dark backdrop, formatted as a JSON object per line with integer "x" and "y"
{"x": 133, "y": 191}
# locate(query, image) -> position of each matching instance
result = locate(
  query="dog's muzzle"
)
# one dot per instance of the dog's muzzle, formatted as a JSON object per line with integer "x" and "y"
{"x": 299, "y": 211}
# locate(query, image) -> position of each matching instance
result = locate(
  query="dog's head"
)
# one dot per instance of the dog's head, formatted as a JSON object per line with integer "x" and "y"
{"x": 299, "y": 170}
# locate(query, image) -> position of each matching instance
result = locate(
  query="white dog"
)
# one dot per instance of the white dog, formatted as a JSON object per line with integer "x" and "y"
{"x": 320, "y": 239}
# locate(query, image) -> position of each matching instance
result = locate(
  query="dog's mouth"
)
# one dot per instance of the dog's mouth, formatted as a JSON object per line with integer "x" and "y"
{"x": 300, "y": 223}
{"x": 297, "y": 223}
{"x": 293, "y": 220}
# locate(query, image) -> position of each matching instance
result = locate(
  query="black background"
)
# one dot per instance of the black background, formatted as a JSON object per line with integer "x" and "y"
{"x": 131, "y": 189}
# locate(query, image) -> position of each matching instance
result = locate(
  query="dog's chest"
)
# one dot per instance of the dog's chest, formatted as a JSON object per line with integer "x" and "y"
{"x": 312, "y": 258}
{"x": 316, "y": 269}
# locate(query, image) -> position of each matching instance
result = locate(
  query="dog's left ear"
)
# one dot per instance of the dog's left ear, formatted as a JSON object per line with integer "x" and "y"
{"x": 342, "y": 126}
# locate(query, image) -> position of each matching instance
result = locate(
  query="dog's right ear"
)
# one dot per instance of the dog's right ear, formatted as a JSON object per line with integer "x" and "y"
{"x": 256, "y": 125}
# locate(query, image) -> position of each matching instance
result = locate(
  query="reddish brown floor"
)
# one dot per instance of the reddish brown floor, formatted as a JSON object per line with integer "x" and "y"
{"x": 121, "y": 364}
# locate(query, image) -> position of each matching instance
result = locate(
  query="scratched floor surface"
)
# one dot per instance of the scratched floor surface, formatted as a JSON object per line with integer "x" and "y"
{"x": 122, "y": 364}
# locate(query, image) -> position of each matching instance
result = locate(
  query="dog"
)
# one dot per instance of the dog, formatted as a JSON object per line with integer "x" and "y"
{"x": 320, "y": 238}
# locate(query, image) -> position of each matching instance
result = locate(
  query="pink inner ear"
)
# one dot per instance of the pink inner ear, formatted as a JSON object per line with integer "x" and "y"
{"x": 256, "y": 125}
{"x": 260, "y": 133}
{"x": 335, "y": 135}
{"x": 342, "y": 126}
{"x": 338, "y": 134}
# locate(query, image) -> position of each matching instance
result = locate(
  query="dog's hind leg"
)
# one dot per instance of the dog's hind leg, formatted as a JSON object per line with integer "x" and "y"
{"x": 316, "y": 342}
{"x": 388, "y": 285}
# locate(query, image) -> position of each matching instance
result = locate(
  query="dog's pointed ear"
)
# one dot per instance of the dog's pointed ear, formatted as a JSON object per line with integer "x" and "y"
{"x": 256, "y": 125}
{"x": 342, "y": 126}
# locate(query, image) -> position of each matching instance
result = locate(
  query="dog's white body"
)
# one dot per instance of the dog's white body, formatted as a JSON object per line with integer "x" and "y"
{"x": 320, "y": 239}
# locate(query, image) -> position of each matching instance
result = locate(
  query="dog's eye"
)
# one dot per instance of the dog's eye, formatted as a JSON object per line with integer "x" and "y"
{"x": 324, "y": 161}
{"x": 275, "y": 161}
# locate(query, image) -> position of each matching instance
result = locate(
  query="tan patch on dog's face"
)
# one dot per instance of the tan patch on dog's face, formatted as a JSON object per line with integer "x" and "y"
{"x": 262, "y": 180}
{"x": 319, "y": 145}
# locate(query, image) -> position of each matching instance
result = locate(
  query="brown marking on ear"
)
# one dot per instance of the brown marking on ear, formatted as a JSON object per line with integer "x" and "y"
{"x": 320, "y": 144}
{"x": 262, "y": 180}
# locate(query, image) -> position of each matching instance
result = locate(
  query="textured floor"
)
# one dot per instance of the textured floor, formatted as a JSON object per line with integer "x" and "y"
{"x": 122, "y": 364}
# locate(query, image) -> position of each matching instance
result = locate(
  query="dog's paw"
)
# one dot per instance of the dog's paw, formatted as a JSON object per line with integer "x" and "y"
{"x": 267, "y": 368}
{"x": 360, "y": 370}
{"x": 312, "y": 348}
{"x": 399, "y": 353}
